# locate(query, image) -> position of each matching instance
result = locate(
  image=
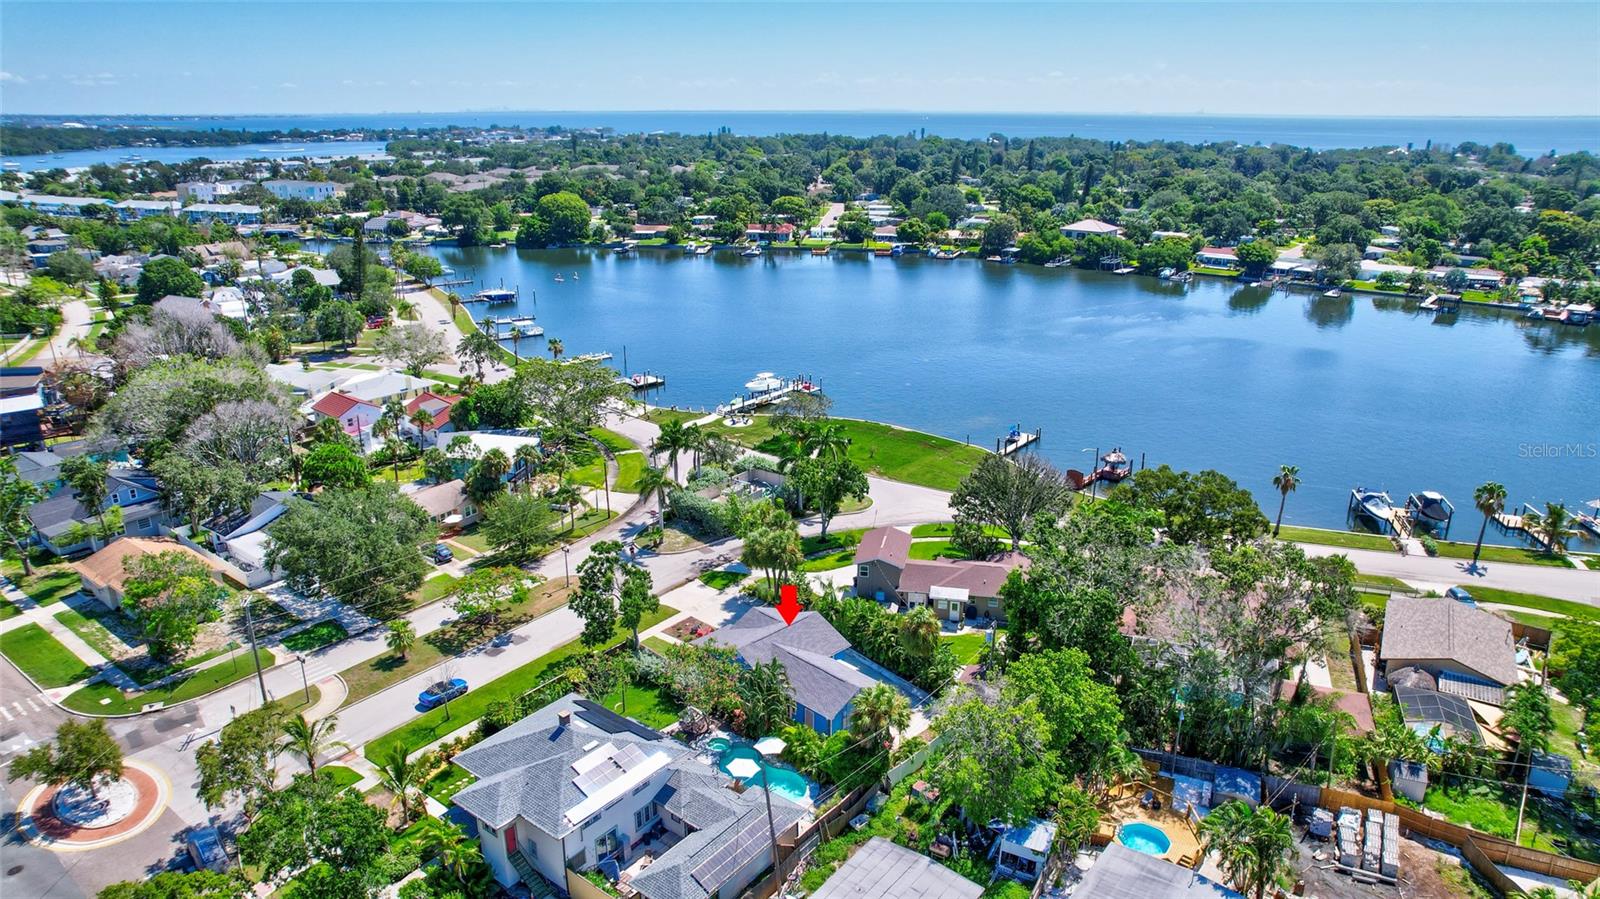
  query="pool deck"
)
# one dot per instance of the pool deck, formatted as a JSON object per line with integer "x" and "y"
{"x": 1126, "y": 810}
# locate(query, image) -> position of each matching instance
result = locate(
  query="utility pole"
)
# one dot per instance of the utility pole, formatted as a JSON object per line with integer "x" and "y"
{"x": 255, "y": 653}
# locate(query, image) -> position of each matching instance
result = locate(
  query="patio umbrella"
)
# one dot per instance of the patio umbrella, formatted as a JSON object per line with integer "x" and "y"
{"x": 744, "y": 769}
{"x": 770, "y": 745}
{"x": 453, "y": 518}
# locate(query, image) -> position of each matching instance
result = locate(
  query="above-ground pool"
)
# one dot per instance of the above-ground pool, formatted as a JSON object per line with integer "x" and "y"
{"x": 1146, "y": 838}
{"x": 786, "y": 782}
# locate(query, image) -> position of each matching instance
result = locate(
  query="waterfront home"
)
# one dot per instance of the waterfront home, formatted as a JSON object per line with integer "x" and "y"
{"x": 1477, "y": 278}
{"x": 415, "y": 222}
{"x": 1218, "y": 257}
{"x": 1090, "y": 228}
{"x": 703, "y": 222}
{"x": 886, "y": 233}
{"x": 1371, "y": 270}
{"x": 209, "y": 191}
{"x": 883, "y": 870}
{"x": 649, "y": 232}
{"x": 574, "y": 786}
{"x": 133, "y": 210}
{"x": 781, "y": 233}
{"x": 312, "y": 191}
{"x": 447, "y": 503}
{"x": 22, "y": 402}
{"x": 1123, "y": 873}
{"x": 105, "y": 574}
{"x": 355, "y": 416}
{"x": 435, "y": 405}
{"x": 954, "y": 589}
{"x": 64, "y": 206}
{"x": 1469, "y": 652}
{"x": 825, "y": 673}
{"x": 226, "y": 213}
{"x": 57, "y": 521}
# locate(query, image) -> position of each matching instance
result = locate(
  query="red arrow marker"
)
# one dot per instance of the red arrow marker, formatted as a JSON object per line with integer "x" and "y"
{"x": 789, "y": 603}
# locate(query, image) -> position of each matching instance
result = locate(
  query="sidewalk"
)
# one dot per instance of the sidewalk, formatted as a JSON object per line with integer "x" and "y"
{"x": 45, "y": 617}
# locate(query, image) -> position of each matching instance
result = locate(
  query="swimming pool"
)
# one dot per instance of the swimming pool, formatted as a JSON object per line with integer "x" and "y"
{"x": 786, "y": 782}
{"x": 1146, "y": 838}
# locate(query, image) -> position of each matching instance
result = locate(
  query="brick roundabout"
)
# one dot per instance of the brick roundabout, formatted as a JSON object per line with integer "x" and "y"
{"x": 42, "y": 824}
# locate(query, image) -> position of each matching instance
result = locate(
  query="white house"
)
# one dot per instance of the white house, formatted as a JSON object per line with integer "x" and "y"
{"x": 227, "y": 213}
{"x": 208, "y": 191}
{"x": 1090, "y": 228}
{"x": 1218, "y": 257}
{"x": 132, "y": 210}
{"x": 355, "y": 416}
{"x": 312, "y": 191}
{"x": 574, "y": 785}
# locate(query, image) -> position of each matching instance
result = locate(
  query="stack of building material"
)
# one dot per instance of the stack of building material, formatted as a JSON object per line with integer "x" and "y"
{"x": 1321, "y": 824}
{"x": 1372, "y": 846}
{"x": 1391, "y": 846}
{"x": 1349, "y": 843}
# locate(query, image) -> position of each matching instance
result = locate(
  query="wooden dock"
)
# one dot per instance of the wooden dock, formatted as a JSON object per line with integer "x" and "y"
{"x": 642, "y": 381}
{"x": 1009, "y": 444}
{"x": 1517, "y": 523}
{"x": 459, "y": 282}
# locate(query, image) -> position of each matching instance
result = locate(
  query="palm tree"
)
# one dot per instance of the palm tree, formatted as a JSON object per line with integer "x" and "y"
{"x": 673, "y": 439}
{"x": 516, "y": 343}
{"x": 919, "y": 632}
{"x": 569, "y": 496}
{"x": 311, "y": 739}
{"x": 556, "y": 347}
{"x": 455, "y": 304}
{"x": 764, "y": 693}
{"x": 655, "y": 480}
{"x": 1252, "y": 844}
{"x": 401, "y": 637}
{"x": 422, "y": 420}
{"x": 399, "y": 775}
{"x": 825, "y": 440}
{"x": 460, "y": 857}
{"x": 1554, "y": 526}
{"x": 383, "y": 429}
{"x": 880, "y": 708}
{"x": 1490, "y": 498}
{"x": 1286, "y": 480}
{"x": 528, "y": 456}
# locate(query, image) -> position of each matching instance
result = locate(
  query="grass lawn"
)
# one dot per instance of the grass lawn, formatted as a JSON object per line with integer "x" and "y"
{"x": 339, "y": 775}
{"x": 935, "y": 549}
{"x": 105, "y": 699}
{"x": 611, "y": 440}
{"x": 49, "y": 583}
{"x": 967, "y": 647}
{"x": 471, "y": 539}
{"x": 1578, "y": 610}
{"x": 1341, "y": 670}
{"x": 1215, "y": 272}
{"x": 814, "y": 544}
{"x": 722, "y": 579}
{"x": 658, "y": 644}
{"x": 1382, "y": 582}
{"x": 829, "y": 562}
{"x": 433, "y": 725}
{"x": 448, "y": 782}
{"x": 42, "y": 657}
{"x": 1520, "y": 555}
{"x": 1346, "y": 539}
{"x": 629, "y": 466}
{"x": 433, "y": 589}
{"x": 375, "y": 674}
{"x": 645, "y": 704}
{"x": 91, "y": 631}
{"x": 315, "y": 637}
{"x": 948, "y": 529}
{"x": 8, "y": 610}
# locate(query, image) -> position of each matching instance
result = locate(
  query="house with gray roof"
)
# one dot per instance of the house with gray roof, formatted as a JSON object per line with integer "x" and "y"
{"x": 1122, "y": 873}
{"x": 1469, "y": 652}
{"x": 56, "y": 520}
{"x": 883, "y": 870}
{"x": 576, "y": 786}
{"x": 825, "y": 673}
{"x": 955, "y": 589}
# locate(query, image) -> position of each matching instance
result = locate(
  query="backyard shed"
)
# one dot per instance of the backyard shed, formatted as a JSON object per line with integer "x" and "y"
{"x": 1551, "y": 773}
{"x": 1024, "y": 850}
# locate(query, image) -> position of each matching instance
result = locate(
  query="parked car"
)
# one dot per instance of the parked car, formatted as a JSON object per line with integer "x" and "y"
{"x": 442, "y": 692}
{"x": 441, "y": 554}
{"x": 1460, "y": 595}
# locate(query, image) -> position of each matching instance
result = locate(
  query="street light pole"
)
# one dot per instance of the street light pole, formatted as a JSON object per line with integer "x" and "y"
{"x": 303, "y": 682}
{"x": 566, "y": 570}
{"x": 772, "y": 831}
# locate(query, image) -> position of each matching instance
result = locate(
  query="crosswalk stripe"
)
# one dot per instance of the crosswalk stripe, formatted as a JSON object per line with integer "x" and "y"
{"x": 9, "y": 716}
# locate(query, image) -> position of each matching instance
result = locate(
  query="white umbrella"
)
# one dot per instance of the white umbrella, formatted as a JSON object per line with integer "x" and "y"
{"x": 770, "y": 745}
{"x": 1593, "y": 503}
{"x": 453, "y": 518}
{"x": 744, "y": 769}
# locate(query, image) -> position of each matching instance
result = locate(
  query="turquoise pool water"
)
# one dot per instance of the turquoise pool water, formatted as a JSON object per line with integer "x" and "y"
{"x": 786, "y": 782}
{"x": 1146, "y": 838}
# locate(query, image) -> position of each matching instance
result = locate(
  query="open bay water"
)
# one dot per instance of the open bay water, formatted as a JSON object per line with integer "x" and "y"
{"x": 1355, "y": 391}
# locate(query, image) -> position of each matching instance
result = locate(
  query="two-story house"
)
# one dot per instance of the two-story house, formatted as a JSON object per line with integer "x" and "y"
{"x": 312, "y": 191}
{"x": 57, "y": 520}
{"x": 574, "y": 785}
{"x": 355, "y": 416}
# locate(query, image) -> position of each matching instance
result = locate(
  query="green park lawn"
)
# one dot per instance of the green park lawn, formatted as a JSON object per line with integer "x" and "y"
{"x": 935, "y": 549}
{"x": 364, "y": 679}
{"x": 659, "y": 644}
{"x": 721, "y": 579}
{"x": 49, "y": 583}
{"x": 1346, "y": 539}
{"x": 8, "y": 610}
{"x": 836, "y": 559}
{"x": 630, "y": 465}
{"x": 434, "y": 724}
{"x": 434, "y": 589}
{"x": 612, "y": 440}
{"x": 42, "y": 657}
{"x": 104, "y": 699}
{"x": 339, "y": 775}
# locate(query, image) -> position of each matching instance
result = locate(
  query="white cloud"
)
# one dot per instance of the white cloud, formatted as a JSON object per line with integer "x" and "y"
{"x": 12, "y": 78}
{"x": 289, "y": 85}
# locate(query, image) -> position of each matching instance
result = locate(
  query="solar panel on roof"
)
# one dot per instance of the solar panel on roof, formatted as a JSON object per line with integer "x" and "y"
{"x": 611, "y": 722}
{"x": 716, "y": 869}
{"x": 628, "y": 758}
{"x": 1437, "y": 708}
{"x": 592, "y": 781}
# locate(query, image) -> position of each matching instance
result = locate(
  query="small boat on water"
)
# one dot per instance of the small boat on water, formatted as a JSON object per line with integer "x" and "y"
{"x": 643, "y": 380}
{"x": 690, "y": 249}
{"x": 763, "y": 382}
{"x": 1375, "y": 504}
{"x": 751, "y": 251}
{"x": 496, "y": 296}
{"x": 806, "y": 385}
{"x": 559, "y": 279}
{"x": 1590, "y": 521}
{"x": 702, "y": 249}
{"x": 1333, "y": 294}
{"x": 1430, "y": 511}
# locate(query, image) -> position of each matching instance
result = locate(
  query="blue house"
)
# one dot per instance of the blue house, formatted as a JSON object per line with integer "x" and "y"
{"x": 824, "y": 671}
{"x": 134, "y": 490}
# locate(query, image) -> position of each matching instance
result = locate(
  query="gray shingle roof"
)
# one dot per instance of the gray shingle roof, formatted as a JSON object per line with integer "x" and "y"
{"x": 672, "y": 875}
{"x": 1446, "y": 630}
{"x": 1122, "y": 873}
{"x": 806, "y": 649}
{"x": 883, "y": 870}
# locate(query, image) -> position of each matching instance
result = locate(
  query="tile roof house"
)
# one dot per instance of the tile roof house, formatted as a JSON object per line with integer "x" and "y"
{"x": 824, "y": 672}
{"x": 758, "y": 231}
{"x": 574, "y": 785}
{"x": 883, "y": 870}
{"x": 105, "y": 573}
{"x": 435, "y": 405}
{"x": 355, "y": 416}
{"x": 1469, "y": 651}
{"x": 955, "y": 589}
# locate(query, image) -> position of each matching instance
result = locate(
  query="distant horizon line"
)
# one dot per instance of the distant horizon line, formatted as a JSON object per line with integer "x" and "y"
{"x": 886, "y": 111}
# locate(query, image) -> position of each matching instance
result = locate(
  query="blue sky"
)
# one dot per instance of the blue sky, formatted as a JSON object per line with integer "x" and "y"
{"x": 1432, "y": 58}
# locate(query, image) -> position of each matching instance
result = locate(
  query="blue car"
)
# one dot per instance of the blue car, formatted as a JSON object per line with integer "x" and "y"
{"x": 442, "y": 692}
{"x": 1461, "y": 596}
{"x": 441, "y": 554}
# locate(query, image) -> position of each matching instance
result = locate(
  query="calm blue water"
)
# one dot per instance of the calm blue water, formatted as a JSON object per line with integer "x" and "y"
{"x": 1212, "y": 376}
{"x": 173, "y": 155}
{"x": 1531, "y": 135}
